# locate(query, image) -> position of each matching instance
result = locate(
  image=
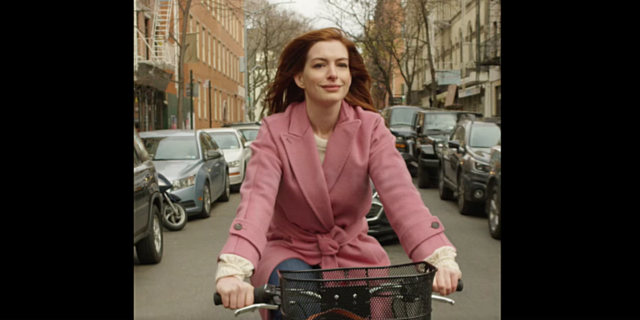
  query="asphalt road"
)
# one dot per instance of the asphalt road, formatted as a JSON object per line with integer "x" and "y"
{"x": 181, "y": 286}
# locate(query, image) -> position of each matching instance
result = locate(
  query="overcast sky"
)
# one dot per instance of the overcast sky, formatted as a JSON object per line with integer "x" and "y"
{"x": 309, "y": 8}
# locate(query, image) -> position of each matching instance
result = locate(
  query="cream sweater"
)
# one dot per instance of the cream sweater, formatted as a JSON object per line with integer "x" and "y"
{"x": 241, "y": 268}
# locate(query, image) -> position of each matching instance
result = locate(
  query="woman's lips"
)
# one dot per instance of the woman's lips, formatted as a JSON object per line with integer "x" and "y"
{"x": 332, "y": 88}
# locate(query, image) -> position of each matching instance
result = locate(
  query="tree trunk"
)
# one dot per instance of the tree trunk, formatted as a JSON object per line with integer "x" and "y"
{"x": 434, "y": 84}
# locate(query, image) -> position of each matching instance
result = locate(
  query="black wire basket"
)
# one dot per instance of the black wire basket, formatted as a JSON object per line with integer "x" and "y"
{"x": 376, "y": 293}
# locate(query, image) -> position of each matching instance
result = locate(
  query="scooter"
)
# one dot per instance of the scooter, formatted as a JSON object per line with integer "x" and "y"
{"x": 173, "y": 213}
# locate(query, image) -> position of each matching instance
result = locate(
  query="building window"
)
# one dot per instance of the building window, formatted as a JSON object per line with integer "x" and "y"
{"x": 199, "y": 99}
{"x": 210, "y": 55}
{"x": 204, "y": 100}
{"x": 198, "y": 43}
{"x": 218, "y": 52}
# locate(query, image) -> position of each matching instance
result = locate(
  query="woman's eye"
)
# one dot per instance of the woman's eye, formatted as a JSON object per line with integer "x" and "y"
{"x": 343, "y": 65}
{"x": 318, "y": 65}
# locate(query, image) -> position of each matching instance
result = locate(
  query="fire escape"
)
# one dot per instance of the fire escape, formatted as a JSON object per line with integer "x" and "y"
{"x": 154, "y": 60}
{"x": 154, "y": 55}
{"x": 490, "y": 48}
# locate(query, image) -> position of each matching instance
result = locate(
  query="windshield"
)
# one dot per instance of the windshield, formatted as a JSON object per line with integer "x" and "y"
{"x": 442, "y": 122}
{"x": 226, "y": 140}
{"x": 402, "y": 116}
{"x": 249, "y": 134}
{"x": 484, "y": 136}
{"x": 172, "y": 148}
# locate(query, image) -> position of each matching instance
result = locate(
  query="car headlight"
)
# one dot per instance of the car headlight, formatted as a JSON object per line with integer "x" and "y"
{"x": 234, "y": 163}
{"x": 400, "y": 142}
{"x": 184, "y": 182}
{"x": 439, "y": 148}
{"x": 480, "y": 166}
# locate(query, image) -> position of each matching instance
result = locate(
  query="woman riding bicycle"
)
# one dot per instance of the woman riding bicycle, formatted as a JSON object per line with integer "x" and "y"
{"x": 306, "y": 190}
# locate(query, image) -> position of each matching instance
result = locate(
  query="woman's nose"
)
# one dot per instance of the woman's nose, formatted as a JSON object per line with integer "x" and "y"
{"x": 332, "y": 73}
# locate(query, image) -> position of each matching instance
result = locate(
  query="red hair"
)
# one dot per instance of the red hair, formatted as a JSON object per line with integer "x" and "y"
{"x": 283, "y": 91}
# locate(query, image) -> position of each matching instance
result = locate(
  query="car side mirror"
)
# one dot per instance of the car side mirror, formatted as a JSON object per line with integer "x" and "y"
{"x": 247, "y": 144}
{"x": 454, "y": 144}
{"x": 213, "y": 154}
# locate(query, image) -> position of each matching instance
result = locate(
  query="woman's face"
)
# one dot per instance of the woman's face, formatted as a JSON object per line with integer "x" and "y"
{"x": 326, "y": 77}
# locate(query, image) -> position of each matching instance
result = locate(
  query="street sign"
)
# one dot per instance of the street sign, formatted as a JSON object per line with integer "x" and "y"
{"x": 445, "y": 77}
{"x": 195, "y": 90}
{"x": 395, "y": 101}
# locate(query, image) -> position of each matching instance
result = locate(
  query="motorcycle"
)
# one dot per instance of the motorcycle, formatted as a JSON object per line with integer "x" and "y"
{"x": 173, "y": 213}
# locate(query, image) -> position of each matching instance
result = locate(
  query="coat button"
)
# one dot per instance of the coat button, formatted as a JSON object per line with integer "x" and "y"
{"x": 435, "y": 225}
{"x": 237, "y": 226}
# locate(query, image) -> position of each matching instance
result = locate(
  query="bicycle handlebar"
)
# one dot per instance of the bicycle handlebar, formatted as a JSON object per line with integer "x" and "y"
{"x": 268, "y": 292}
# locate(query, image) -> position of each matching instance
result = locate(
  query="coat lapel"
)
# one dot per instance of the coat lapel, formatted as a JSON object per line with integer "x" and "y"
{"x": 340, "y": 144}
{"x": 300, "y": 146}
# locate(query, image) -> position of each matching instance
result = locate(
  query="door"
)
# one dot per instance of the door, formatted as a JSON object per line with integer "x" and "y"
{"x": 456, "y": 155}
{"x": 449, "y": 155}
{"x": 219, "y": 165}
{"x": 141, "y": 177}
{"x": 246, "y": 153}
{"x": 209, "y": 165}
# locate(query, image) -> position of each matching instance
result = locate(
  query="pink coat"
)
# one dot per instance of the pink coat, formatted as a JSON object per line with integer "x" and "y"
{"x": 294, "y": 207}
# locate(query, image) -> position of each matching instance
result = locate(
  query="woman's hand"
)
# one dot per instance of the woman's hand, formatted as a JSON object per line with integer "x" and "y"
{"x": 446, "y": 280}
{"x": 235, "y": 294}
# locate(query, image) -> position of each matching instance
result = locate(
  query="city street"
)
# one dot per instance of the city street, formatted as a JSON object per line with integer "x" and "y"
{"x": 181, "y": 286}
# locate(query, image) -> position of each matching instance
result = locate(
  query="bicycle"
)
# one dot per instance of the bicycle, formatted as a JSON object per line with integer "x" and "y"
{"x": 393, "y": 292}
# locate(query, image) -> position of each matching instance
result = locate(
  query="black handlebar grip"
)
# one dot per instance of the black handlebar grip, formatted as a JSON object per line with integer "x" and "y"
{"x": 460, "y": 285}
{"x": 217, "y": 299}
{"x": 259, "y": 296}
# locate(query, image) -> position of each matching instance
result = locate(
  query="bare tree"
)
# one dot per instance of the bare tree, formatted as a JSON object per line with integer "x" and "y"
{"x": 364, "y": 22}
{"x": 272, "y": 28}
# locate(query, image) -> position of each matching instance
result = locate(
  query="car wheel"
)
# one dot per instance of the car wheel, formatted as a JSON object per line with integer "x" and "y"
{"x": 423, "y": 177}
{"x": 206, "y": 201}
{"x": 464, "y": 205}
{"x": 150, "y": 249}
{"x": 494, "y": 212}
{"x": 174, "y": 220}
{"x": 445, "y": 192}
{"x": 227, "y": 191}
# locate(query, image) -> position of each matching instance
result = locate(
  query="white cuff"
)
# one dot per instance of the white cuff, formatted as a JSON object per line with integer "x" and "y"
{"x": 233, "y": 265}
{"x": 444, "y": 257}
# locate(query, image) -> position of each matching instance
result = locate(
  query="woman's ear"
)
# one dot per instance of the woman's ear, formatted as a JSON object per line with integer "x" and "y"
{"x": 299, "y": 81}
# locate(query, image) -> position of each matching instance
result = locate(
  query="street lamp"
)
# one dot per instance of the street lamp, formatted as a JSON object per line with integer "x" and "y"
{"x": 246, "y": 56}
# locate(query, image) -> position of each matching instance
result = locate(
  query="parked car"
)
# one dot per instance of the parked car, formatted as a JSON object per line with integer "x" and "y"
{"x": 147, "y": 206}
{"x": 494, "y": 207}
{"x": 379, "y": 226}
{"x": 465, "y": 164}
{"x": 432, "y": 129}
{"x": 399, "y": 120}
{"x": 248, "y": 129}
{"x": 194, "y": 164}
{"x": 236, "y": 152}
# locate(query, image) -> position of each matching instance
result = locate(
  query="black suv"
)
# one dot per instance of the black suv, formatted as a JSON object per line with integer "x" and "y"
{"x": 147, "y": 205}
{"x": 494, "y": 206}
{"x": 431, "y": 130}
{"x": 465, "y": 164}
{"x": 399, "y": 120}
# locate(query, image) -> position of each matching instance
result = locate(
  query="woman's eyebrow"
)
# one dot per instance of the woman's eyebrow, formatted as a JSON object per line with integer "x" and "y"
{"x": 325, "y": 60}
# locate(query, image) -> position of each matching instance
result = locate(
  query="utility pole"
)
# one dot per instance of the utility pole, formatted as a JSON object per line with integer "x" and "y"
{"x": 462, "y": 43}
{"x": 478, "y": 40}
{"x": 191, "y": 97}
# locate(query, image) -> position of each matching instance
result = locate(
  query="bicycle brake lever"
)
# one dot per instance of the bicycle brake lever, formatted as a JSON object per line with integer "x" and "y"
{"x": 253, "y": 307}
{"x": 442, "y": 299}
